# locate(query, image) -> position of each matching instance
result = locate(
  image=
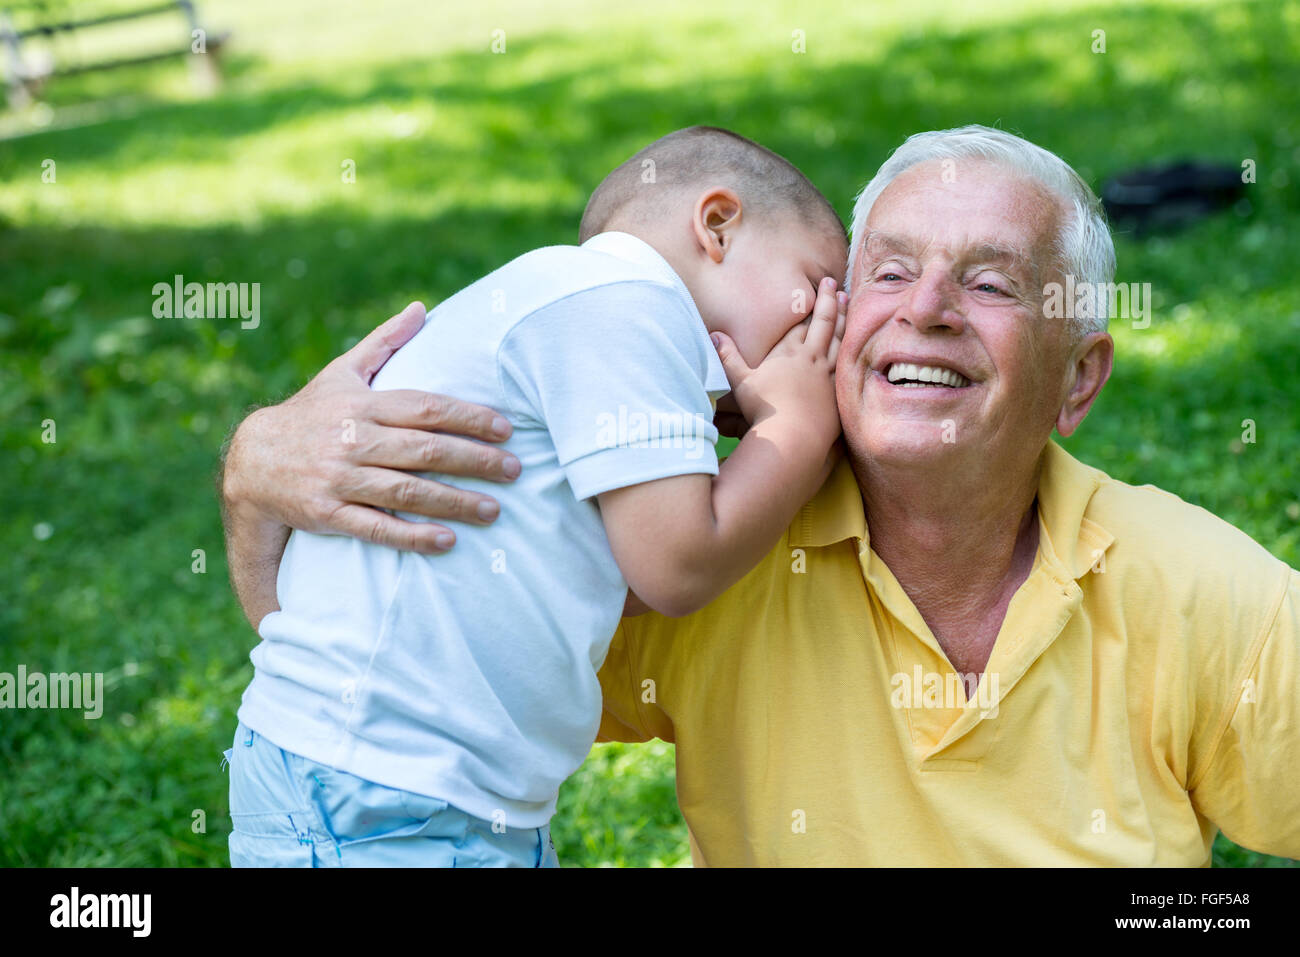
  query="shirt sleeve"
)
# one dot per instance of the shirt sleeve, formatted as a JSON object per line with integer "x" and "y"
{"x": 616, "y": 374}
{"x": 1251, "y": 786}
{"x": 630, "y": 712}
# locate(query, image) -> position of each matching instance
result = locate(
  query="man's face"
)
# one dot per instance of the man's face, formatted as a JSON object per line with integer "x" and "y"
{"x": 948, "y": 285}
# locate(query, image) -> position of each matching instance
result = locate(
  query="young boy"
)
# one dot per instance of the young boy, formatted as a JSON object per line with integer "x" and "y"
{"x": 424, "y": 710}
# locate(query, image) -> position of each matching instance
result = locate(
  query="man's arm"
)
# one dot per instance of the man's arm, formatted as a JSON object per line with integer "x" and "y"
{"x": 330, "y": 457}
{"x": 1249, "y": 788}
{"x": 254, "y": 546}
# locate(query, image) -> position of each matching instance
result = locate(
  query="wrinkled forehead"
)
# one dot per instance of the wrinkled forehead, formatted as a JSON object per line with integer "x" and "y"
{"x": 972, "y": 208}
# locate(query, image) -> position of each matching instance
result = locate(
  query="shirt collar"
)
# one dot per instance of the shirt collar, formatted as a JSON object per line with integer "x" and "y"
{"x": 1070, "y": 541}
{"x": 1065, "y": 490}
{"x": 627, "y": 247}
{"x": 835, "y": 512}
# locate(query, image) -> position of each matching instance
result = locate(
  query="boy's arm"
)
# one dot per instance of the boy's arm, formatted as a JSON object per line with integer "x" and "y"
{"x": 682, "y": 541}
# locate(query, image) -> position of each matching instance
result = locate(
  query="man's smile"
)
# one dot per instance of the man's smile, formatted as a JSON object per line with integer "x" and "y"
{"x": 921, "y": 376}
{"x": 909, "y": 374}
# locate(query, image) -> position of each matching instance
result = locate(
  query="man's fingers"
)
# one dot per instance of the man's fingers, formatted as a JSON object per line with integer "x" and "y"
{"x": 414, "y": 451}
{"x": 378, "y": 527}
{"x": 411, "y": 409}
{"x": 369, "y": 355}
{"x": 401, "y": 492}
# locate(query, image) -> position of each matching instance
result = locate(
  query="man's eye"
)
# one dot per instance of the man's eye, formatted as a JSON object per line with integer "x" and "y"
{"x": 989, "y": 287}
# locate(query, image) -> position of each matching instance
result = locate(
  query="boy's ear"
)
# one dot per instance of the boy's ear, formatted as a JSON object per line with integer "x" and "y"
{"x": 715, "y": 218}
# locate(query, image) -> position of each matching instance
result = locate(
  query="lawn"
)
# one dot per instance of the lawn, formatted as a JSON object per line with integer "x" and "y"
{"x": 111, "y": 554}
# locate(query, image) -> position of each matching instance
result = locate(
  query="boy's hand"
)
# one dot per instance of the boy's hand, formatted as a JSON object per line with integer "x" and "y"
{"x": 680, "y": 541}
{"x": 796, "y": 379}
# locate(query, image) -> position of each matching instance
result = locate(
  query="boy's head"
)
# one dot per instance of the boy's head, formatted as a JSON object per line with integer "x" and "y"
{"x": 747, "y": 232}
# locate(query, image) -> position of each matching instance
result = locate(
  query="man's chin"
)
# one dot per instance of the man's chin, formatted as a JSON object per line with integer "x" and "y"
{"x": 904, "y": 443}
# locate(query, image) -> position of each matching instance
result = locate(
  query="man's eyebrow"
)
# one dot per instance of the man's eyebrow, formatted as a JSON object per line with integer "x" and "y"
{"x": 879, "y": 245}
{"x": 877, "y": 242}
{"x": 998, "y": 253}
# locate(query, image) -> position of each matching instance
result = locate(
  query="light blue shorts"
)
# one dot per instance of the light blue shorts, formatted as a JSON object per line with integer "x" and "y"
{"x": 288, "y": 811}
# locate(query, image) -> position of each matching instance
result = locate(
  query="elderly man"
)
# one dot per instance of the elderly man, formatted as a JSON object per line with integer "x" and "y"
{"x": 970, "y": 648}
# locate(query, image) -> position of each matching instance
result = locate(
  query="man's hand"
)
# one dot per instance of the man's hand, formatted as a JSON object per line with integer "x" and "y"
{"x": 329, "y": 458}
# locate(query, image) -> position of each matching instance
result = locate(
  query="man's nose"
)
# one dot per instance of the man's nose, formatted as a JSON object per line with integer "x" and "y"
{"x": 933, "y": 302}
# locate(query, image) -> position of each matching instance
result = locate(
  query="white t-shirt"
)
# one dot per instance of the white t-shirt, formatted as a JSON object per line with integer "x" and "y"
{"x": 471, "y": 676}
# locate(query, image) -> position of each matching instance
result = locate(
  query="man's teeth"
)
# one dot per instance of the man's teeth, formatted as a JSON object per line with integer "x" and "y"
{"x": 912, "y": 375}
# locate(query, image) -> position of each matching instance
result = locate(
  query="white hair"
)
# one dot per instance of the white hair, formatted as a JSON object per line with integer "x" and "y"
{"x": 1084, "y": 247}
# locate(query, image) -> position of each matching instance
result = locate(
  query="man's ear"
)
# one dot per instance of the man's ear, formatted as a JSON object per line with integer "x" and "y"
{"x": 1090, "y": 367}
{"x": 714, "y": 220}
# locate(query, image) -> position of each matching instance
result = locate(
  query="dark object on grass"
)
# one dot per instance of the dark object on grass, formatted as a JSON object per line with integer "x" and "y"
{"x": 1170, "y": 196}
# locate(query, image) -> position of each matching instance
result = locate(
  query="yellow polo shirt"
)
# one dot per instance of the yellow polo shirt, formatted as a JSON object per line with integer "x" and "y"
{"x": 1144, "y": 690}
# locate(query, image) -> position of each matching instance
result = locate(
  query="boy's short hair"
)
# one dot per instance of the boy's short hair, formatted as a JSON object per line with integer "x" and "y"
{"x": 643, "y": 187}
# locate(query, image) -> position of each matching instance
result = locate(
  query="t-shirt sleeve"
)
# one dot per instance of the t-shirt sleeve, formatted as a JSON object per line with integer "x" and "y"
{"x": 618, "y": 718}
{"x": 630, "y": 704}
{"x": 1251, "y": 786}
{"x": 616, "y": 374}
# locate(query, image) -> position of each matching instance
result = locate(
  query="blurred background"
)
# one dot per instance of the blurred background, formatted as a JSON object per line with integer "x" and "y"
{"x": 352, "y": 157}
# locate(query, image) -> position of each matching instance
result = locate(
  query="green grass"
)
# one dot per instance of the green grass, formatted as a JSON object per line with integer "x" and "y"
{"x": 465, "y": 159}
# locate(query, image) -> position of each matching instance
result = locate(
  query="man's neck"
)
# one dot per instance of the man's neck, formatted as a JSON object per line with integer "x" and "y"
{"x": 959, "y": 541}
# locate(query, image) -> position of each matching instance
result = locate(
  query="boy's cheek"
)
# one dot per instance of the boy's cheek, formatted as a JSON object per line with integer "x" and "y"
{"x": 753, "y": 355}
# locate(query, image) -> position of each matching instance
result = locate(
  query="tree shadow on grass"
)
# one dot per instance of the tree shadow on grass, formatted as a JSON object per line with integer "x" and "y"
{"x": 1144, "y": 96}
{"x": 142, "y": 407}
